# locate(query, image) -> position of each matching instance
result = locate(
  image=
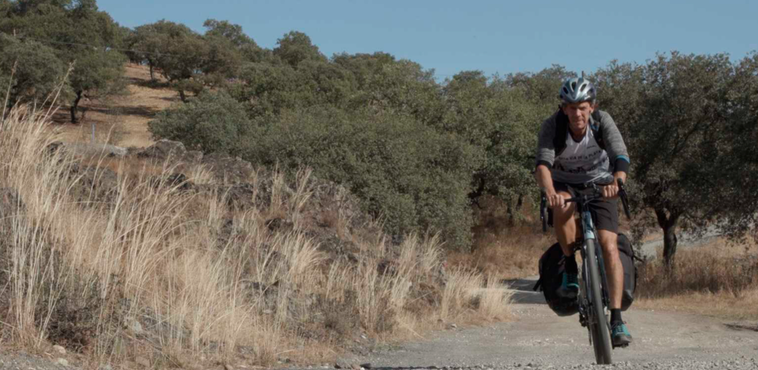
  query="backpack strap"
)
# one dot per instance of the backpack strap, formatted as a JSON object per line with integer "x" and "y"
{"x": 561, "y": 129}
{"x": 597, "y": 129}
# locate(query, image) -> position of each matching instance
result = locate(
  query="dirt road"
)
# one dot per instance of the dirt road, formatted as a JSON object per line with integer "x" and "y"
{"x": 539, "y": 339}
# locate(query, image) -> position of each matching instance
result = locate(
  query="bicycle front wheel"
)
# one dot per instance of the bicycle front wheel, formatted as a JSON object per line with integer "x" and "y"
{"x": 598, "y": 321}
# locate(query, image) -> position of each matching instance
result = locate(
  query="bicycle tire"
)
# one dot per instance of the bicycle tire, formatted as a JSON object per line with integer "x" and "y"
{"x": 598, "y": 324}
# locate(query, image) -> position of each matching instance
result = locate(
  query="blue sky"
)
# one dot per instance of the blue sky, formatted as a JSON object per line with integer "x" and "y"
{"x": 491, "y": 36}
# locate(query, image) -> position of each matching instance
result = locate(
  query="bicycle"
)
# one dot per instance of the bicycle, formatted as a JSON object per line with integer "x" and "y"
{"x": 593, "y": 295}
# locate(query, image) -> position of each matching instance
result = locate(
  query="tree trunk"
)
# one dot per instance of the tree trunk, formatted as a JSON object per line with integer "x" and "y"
{"x": 182, "y": 95}
{"x": 668, "y": 224}
{"x": 152, "y": 72}
{"x": 669, "y": 245}
{"x": 75, "y": 106}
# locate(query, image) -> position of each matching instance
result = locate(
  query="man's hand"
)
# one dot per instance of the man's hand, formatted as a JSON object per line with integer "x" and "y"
{"x": 555, "y": 200}
{"x": 612, "y": 190}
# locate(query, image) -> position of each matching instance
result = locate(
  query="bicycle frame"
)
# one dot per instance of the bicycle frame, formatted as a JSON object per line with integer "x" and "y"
{"x": 593, "y": 313}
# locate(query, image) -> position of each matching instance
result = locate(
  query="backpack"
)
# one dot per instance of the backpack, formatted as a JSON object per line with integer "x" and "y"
{"x": 551, "y": 266}
{"x": 561, "y": 130}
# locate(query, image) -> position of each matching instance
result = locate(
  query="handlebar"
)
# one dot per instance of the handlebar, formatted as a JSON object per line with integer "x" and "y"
{"x": 597, "y": 194}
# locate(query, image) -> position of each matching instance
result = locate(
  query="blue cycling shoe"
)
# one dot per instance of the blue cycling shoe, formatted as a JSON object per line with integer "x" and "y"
{"x": 620, "y": 336}
{"x": 569, "y": 286}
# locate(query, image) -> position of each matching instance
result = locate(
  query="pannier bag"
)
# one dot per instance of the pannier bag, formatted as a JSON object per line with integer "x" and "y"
{"x": 551, "y": 267}
{"x": 626, "y": 254}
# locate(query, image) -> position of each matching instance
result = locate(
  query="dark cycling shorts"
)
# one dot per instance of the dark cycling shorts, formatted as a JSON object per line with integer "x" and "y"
{"x": 604, "y": 211}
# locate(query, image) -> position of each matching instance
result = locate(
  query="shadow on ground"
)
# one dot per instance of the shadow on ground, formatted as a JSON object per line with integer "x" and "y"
{"x": 524, "y": 291}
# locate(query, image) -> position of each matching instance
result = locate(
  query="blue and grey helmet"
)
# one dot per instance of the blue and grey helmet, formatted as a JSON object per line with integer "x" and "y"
{"x": 577, "y": 90}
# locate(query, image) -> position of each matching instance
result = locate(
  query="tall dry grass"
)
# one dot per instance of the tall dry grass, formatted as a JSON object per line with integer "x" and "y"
{"x": 715, "y": 268}
{"x": 719, "y": 280}
{"x": 148, "y": 269}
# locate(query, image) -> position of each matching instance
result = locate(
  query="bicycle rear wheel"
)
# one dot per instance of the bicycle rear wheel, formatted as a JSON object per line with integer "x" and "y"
{"x": 598, "y": 321}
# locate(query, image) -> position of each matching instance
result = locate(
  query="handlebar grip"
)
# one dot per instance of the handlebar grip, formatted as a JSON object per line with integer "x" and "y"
{"x": 624, "y": 199}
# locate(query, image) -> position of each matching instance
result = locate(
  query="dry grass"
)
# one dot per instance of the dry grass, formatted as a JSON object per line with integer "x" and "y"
{"x": 178, "y": 277}
{"x": 718, "y": 279}
{"x": 502, "y": 248}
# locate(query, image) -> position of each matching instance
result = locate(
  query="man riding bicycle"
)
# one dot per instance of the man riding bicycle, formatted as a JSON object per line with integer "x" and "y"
{"x": 579, "y": 145}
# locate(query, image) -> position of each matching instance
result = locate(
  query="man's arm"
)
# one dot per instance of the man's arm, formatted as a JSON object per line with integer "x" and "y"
{"x": 545, "y": 158}
{"x": 617, "y": 153}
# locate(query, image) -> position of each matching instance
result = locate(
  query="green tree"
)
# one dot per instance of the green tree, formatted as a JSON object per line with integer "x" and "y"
{"x": 502, "y": 123}
{"x": 81, "y": 35}
{"x": 679, "y": 114}
{"x": 296, "y": 47}
{"x": 246, "y": 46}
{"x": 387, "y": 84}
{"x": 39, "y": 71}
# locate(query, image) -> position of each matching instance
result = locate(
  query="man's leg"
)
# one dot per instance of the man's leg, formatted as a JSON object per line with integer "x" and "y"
{"x": 606, "y": 215}
{"x": 614, "y": 269}
{"x": 565, "y": 226}
{"x": 565, "y": 231}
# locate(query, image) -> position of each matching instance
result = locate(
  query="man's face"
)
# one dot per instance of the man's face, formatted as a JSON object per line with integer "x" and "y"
{"x": 578, "y": 114}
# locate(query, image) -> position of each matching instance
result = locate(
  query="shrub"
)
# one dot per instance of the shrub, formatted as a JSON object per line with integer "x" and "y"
{"x": 214, "y": 122}
{"x": 415, "y": 177}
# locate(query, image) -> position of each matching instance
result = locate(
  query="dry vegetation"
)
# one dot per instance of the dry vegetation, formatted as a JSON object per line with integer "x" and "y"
{"x": 719, "y": 279}
{"x": 505, "y": 246}
{"x": 147, "y": 269}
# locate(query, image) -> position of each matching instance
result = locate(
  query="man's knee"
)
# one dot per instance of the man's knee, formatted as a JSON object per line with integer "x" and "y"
{"x": 609, "y": 242}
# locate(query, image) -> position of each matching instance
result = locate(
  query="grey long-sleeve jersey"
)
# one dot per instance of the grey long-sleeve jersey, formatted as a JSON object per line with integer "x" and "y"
{"x": 599, "y": 166}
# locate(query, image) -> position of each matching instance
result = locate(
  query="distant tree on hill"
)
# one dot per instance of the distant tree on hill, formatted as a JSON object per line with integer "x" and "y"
{"x": 79, "y": 33}
{"x": 185, "y": 58}
{"x": 296, "y": 47}
{"x": 246, "y": 46}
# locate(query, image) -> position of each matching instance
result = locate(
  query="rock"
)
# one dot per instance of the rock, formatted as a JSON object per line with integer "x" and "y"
{"x": 88, "y": 149}
{"x": 228, "y": 170}
{"x": 62, "y": 361}
{"x": 135, "y": 327}
{"x": 59, "y": 349}
{"x": 193, "y": 156}
{"x": 145, "y": 363}
{"x": 228, "y": 367}
{"x": 164, "y": 149}
{"x": 366, "y": 366}
{"x": 105, "y": 367}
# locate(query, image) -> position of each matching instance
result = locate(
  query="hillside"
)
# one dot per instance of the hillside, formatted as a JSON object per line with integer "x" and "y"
{"x": 126, "y": 115}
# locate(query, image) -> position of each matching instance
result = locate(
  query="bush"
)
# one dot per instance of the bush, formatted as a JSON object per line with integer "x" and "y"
{"x": 415, "y": 177}
{"x": 214, "y": 122}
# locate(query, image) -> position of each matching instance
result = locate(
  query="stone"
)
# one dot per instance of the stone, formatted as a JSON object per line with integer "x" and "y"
{"x": 228, "y": 170}
{"x": 164, "y": 149}
{"x": 62, "y": 362}
{"x": 135, "y": 327}
{"x": 59, "y": 349}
